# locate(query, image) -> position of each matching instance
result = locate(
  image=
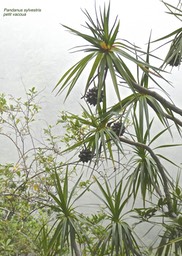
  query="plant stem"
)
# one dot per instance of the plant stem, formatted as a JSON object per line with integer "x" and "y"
{"x": 157, "y": 96}
{"x": 75, "y": 247}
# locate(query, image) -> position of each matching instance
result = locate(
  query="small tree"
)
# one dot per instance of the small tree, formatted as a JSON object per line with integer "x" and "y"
{"x": 109, "y": 152}
{"x": 117, "y": 141}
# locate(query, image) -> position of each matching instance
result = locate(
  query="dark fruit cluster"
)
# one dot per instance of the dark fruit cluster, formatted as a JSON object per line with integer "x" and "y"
{"x": 118, "y": 128}
{"x": 92, "y": 95}
{"x": 175, "y": 61}
{"x": 85, "y": 155}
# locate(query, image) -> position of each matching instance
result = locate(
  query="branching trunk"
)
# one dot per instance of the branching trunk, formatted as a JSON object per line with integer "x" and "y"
{"x": 176, "y": 120}
{"x": 157, "y": 96}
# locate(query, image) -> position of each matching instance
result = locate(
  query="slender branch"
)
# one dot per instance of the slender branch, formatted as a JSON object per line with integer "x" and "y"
{"x": 160, "y": 168}
{"x": 157, "y": 96}
{"x": 75, "y": 247}
{"x": 173, "y": 118}
{"x": 176, "y": 120}
{"x": 73, "y": 241}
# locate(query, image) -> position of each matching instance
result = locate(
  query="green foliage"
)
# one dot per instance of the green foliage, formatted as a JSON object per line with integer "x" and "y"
{"x": 17, "y": 226}
{"x": 108, "y": 55}
{"x": 171, "y": 238}
{"x": 67, "y": 219}
{"x": 108, "y": 151}
{"x": 25, "y": 181}
{"x": 117, "y": 234}
{"x": 174, "y": 55}
{"x": 91, "y": 131}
